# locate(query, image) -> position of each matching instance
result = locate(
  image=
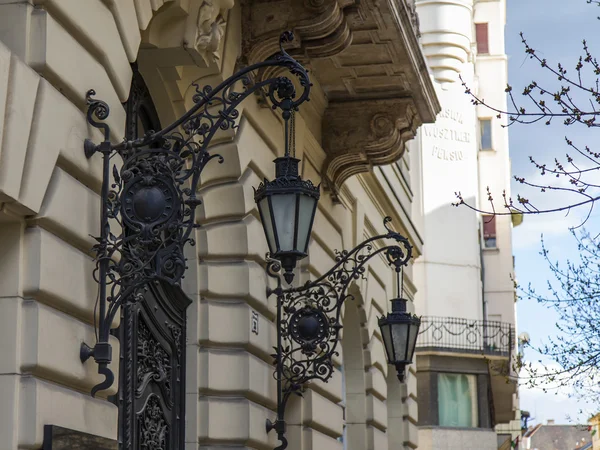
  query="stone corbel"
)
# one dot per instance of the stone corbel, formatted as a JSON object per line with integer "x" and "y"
{"x": 358, "y": 135}
{"x": 321, "y": 27}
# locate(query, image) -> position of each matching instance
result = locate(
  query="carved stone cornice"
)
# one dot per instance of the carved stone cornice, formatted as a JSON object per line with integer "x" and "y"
{"x": 358, "y": 135}
{"x": 321, "y": 27}
{"x": 366, "y": 58}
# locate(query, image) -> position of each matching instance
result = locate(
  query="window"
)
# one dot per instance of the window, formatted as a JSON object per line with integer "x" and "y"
{"x": 481, "y": 37}
{"x": 489, "y": 231}
{"x": 457, "y": 400}
{"x": 485, "y": 134}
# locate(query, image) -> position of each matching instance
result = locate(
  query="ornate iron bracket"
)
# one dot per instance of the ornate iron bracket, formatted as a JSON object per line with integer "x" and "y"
{"x": 308, "y": 317}
{"x": 152, "y": 198}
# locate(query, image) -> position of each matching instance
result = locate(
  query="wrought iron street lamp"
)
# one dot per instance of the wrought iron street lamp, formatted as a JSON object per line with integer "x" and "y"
{"x": 308, "y": 317}
{"x": 287, "y": 207}
{"x": 399, "y": 330}
{"x": 152, "y": 198}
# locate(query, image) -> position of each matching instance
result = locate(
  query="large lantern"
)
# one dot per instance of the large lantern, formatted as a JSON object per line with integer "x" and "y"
{"x": 287, "y": 207}
{"x": 399, "y": 330}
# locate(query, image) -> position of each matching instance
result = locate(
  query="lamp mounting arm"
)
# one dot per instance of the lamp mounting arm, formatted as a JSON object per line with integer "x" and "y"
{"x": 309, "y": 317}
{"x": 151, "y": 199}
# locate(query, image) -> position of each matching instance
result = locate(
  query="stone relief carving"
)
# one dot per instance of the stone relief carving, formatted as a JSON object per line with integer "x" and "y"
{"x": 211, "y": 28}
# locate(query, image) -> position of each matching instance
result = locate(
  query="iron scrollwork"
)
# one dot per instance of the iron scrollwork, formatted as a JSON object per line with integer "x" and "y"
{"x": 154, "y": 363}
{"x": 455, "y": 334}
{"x": 309, "y": 317}
{"x": 152, "y": 197}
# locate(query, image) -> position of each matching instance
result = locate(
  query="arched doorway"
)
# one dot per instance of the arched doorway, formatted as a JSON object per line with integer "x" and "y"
{"x": 353, "y": 376}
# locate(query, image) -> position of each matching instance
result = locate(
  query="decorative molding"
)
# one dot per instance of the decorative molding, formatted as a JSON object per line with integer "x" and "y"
{"x": 361, "y": 134}
{"x": 321, "y": 27}
{"x": 446, "y": 43}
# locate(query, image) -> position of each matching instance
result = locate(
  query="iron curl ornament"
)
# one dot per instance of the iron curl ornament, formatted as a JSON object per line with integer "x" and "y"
{"x": 309, "y": 316}
{"x": 151, "y": 199}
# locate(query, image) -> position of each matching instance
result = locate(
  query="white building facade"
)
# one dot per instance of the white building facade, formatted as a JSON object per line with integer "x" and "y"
{"x": 465, "y": 291}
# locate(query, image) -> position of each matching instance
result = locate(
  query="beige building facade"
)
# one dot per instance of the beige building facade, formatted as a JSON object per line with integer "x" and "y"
{"x": 372, "y": 91}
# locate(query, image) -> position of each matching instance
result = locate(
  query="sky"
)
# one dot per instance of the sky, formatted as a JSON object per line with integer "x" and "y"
{"x": 556, "y": 29}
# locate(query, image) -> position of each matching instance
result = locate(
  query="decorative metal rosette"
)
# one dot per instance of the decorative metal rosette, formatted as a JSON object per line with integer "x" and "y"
{"x": 309, "y": 327}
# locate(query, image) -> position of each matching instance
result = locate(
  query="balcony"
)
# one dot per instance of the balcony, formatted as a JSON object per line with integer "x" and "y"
{"x": 458, "y": 335}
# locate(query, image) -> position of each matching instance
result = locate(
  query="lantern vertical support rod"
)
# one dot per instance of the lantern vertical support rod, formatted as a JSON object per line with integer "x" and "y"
{"x": 286, "y": 127}
{"x": 273, "y": 270}
{"x": 102, "y": 351}
{"x": 104, "y": 236}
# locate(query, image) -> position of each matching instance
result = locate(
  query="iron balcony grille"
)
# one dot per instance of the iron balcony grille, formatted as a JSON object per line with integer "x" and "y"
{"x": 457, "y": 335}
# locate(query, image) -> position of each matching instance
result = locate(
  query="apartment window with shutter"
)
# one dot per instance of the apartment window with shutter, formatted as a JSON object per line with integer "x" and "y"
{"x": 489, "y": 231}
{"x": 485, "y": 134}
{"x": 481, "y": 36}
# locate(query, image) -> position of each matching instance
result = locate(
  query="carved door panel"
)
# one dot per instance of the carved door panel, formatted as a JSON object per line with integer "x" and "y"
{"x": 152, "y": 374}
{"x": 152, "y": 332}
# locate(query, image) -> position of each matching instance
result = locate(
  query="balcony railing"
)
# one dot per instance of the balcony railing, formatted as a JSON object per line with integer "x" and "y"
{"x": 457, "y": 335}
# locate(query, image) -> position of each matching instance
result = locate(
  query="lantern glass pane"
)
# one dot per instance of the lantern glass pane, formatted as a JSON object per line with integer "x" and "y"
{"x": 284, "y": 211}
{"x": 412, "y": 340}
{"x": 305, "y": 215}
{"x": 386, "y": 334}
{"x": 399, "y": 337}
{"x": 267, "y": 220}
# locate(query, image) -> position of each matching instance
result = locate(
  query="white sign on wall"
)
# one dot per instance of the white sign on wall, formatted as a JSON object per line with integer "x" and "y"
{"x": 451, "y": 263}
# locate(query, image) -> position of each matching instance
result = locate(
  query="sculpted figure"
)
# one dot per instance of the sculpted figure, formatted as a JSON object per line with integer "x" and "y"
{"x": 211, "y": 28}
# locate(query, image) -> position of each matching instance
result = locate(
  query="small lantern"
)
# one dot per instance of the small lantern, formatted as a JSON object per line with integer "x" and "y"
{"x": 287, "y": 207}
{"x": 399, "y": 330}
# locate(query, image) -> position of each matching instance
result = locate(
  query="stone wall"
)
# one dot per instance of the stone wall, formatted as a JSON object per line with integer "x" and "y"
{"x": 458, "y": 439}
{"x": 51, "y": 53}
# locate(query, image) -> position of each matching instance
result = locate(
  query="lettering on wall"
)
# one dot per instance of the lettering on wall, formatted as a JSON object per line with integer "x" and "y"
{"x": 452, "y": 135}
{"x": 448, "y": 113}
{"x": 447, "y": 134}
{"x": 447, "y": 155}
